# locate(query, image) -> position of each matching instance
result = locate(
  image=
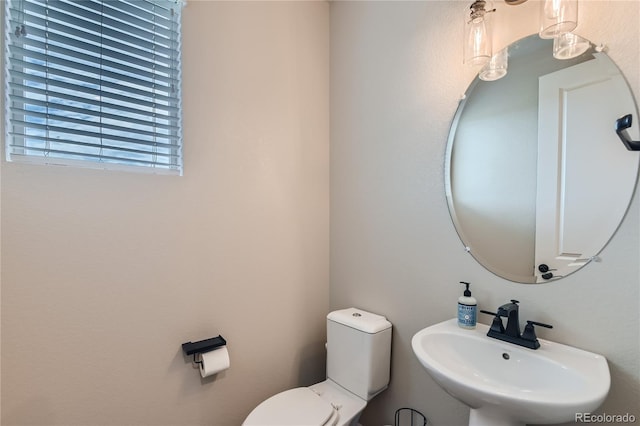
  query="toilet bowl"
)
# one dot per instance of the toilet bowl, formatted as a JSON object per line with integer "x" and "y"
{"x": 358, "y": 363}
{"x": 322, "y": 404}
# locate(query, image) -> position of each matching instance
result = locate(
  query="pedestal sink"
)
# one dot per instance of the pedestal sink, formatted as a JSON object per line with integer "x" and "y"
{"x": 508, "y": 385}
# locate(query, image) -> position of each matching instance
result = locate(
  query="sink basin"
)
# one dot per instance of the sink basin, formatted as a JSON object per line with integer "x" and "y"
{"x": 507, "y": 385}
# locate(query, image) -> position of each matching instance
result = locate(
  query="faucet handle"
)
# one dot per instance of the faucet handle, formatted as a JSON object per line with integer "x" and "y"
{"x": 541, "y": 324}
{"x": 496, "y": 324}
{"x": 515, "y": 302}
{"x": 529, "y": 332}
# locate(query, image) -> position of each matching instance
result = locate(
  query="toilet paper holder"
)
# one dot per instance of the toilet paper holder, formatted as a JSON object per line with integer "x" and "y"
{"x": 202, "y": 346}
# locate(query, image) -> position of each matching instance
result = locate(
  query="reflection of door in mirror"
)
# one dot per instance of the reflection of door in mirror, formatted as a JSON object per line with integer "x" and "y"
{"x": 577, "y": 185}
{"x": 583, "y": 177}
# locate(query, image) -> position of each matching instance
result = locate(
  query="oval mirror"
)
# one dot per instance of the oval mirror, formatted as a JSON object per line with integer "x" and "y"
{"x": 537, "y": 180}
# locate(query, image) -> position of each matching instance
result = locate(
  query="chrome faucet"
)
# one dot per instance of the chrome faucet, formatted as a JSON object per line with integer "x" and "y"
{"x": 512, "y": 334}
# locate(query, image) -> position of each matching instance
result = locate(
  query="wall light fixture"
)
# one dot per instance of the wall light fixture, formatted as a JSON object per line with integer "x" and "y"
{"x": 477, "y": 33}
{"x": 557, "y": 19}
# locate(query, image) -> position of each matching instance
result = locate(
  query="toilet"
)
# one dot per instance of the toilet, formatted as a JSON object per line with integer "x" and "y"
{"x": 358, "y": 364}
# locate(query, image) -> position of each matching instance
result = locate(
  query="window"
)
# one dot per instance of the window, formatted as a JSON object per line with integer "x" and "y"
{"x": 94, "y": 83}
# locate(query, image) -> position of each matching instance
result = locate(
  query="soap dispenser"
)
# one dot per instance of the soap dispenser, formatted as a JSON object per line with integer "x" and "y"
{"x": 467, "y": 309}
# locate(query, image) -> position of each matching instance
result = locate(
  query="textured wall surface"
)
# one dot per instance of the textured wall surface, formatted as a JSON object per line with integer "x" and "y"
{"x": 396, "y": 77}
{"x": 105, "y": 274}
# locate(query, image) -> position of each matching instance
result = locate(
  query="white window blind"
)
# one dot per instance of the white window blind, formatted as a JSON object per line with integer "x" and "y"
{"x": 94, "y": 82}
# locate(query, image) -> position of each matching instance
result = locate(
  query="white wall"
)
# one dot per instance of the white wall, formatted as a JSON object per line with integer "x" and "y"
{"x": 96, "y": 301}
{"x": 105, "y": 274}
{"x": 396, "y": 77}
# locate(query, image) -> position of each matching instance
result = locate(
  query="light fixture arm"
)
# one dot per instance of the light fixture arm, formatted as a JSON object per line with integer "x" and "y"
{"x": 478, "y": 10}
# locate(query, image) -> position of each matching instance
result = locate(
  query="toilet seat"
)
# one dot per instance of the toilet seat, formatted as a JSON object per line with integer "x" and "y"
{"x": 294, "y": 407}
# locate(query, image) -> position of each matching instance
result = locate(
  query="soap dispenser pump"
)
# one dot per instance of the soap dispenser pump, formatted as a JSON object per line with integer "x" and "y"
{"x": 467, "y": 309}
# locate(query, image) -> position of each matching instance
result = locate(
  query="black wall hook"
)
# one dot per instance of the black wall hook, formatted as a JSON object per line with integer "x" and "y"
{"x": 622, "y": 124}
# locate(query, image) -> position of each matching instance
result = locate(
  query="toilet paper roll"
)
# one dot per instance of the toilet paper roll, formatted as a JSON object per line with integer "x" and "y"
{"x": 214, "y": 362}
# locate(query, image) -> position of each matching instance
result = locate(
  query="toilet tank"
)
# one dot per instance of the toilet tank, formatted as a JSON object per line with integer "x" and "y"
{"x": 359, "y": 351}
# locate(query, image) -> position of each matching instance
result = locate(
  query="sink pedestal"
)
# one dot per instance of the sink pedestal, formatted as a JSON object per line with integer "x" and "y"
{"x": 489, "y": 417}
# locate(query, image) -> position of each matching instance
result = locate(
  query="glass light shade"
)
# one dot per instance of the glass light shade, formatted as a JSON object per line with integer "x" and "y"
{"x": 558, "y": 17}
{"x": 496, "y": 68}
{"x": 569, "y": 45}
{"x": 477, "y": 36}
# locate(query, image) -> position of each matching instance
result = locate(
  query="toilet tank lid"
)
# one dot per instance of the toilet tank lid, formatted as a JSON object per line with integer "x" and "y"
{"x": 360, "y": 320}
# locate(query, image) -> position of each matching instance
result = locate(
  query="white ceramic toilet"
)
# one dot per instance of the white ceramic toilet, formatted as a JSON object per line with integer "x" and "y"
{"x": 358, "y": 363}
